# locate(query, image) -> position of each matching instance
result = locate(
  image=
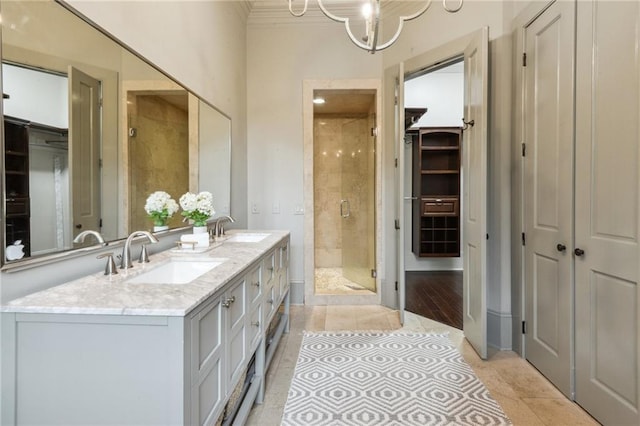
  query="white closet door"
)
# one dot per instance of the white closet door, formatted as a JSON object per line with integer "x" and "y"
{"x": 548, "y": 191}
{"x": 607, "y": 261}
{"x": 474, "y": 205}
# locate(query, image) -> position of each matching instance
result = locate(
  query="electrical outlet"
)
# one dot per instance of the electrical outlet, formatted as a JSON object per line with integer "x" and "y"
{"x": 254, "y": 208}
{"x": 299, "y": 209}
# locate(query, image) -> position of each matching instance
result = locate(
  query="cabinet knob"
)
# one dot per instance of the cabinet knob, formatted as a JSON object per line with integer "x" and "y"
{"x": 257, "y": 283}
{"x": 578, "y": 252}
{"x": 270, "y": 301}
{"x": 226, "y": 304}
{"x": 231, "y": 299}
{"x": 256, "y": 323}
{"x": 79, "y": 226}
{"x": 561, "y": 247}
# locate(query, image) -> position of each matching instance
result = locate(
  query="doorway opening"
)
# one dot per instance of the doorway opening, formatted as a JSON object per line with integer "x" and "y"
{"x": 344, "y": 191}
{"x": 433, "y": 267}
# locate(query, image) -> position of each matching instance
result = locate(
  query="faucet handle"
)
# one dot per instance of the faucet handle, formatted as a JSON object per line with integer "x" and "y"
{"x": 110, "y": 267}
{"x": 144, "y": 255}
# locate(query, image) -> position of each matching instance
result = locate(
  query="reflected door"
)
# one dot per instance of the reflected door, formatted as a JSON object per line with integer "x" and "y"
{"x": 84, "y": 139}
{"x": 357, "y": 205}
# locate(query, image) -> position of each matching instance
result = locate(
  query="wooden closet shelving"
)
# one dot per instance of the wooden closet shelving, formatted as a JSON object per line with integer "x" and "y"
{"x": 436, "y": 186}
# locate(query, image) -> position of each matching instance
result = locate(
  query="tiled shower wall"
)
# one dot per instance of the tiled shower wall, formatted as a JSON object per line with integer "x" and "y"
{"x": 158, "y": 154}
{"x": 339, "y": 145}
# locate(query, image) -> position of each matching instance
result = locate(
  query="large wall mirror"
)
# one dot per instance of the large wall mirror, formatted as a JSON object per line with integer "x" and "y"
{"x": 90, "y": 130}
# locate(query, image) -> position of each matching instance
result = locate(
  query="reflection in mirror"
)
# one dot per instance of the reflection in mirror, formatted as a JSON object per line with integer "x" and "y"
{"x": 90, "y": 130}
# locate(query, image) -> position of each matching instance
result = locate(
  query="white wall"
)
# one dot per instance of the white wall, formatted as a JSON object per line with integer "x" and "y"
{"x": 27, "y": 87}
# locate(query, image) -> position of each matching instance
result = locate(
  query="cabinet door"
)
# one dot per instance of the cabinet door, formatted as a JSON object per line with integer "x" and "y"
{"x": 235, "y": 330}
{"x": 255, "y": 329}
{"x": 254, "y": 284}
{"x": 207, "y": 384}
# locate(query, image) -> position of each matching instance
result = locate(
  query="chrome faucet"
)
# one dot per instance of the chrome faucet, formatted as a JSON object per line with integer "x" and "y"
{"x": 81, "y": 236}
{"x": 218, "y": 229}
{"x": 126, "y": 250}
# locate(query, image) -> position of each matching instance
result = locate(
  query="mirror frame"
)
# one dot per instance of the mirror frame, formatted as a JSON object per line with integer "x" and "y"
{"x": 194, "y": 99}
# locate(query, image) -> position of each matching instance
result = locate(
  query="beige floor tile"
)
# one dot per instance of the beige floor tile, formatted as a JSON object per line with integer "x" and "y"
{"x": 315, "y": 318}
{"x": 559, "y": 412}
{"x": 340, "y": 318}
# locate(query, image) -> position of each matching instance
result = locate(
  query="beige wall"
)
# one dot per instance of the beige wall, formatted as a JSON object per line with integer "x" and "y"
{"x": 281, "y": 57}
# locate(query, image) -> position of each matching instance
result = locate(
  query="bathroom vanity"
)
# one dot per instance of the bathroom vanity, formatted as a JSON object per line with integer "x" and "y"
{"x": 132, "y": 349}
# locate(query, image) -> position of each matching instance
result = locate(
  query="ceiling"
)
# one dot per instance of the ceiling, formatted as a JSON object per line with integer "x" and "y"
{"x": 345, "y": 101}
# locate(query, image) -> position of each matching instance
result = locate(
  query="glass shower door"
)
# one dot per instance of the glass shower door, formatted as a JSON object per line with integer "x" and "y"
{"x": 357, "y": 205}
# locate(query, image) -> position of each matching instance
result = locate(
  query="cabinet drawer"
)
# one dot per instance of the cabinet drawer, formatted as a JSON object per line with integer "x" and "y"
{"x": 18, "y": 206}
{"x": 440, "y": 206}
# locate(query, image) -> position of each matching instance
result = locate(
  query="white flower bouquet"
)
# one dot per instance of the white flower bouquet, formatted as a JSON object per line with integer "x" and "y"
{"x": 160, "y": 207}
{"x": 197, "y": 207}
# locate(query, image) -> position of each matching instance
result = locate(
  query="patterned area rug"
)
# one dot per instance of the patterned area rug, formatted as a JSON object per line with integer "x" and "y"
{"x": 379, "y": 378}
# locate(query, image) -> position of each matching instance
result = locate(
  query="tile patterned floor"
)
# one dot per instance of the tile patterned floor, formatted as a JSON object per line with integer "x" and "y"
{"x": 522, "y": 392}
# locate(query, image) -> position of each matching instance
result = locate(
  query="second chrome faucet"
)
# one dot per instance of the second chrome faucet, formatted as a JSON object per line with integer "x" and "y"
{"x": 125, "y": 262}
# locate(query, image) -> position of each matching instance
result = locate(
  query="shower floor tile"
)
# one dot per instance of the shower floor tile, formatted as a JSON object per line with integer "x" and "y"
{"x": 331, "y": 281}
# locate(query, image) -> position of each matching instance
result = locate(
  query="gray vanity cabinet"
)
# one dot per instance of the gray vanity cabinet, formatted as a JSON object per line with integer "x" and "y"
{"x": 138, "y": 369}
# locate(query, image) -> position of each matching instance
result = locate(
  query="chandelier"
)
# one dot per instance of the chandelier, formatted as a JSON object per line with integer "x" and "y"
{"x": 372, "y": 14}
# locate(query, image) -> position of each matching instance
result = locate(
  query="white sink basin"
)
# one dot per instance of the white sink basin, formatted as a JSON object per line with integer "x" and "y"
{"x": 246, "y": 237}
{"x": 177, "y": 271}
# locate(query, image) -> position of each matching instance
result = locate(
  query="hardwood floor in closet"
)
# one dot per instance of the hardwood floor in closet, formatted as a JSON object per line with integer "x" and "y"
{"x": 436, "y": 295}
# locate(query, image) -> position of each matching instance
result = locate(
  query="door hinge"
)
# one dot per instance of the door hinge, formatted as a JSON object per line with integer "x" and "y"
{"x": 524, "y": 240}
{"x": 396, "y": 223}
{"x": 524, "y": 59}
{"x": 487, "y": 236}
{"x": 99, "y": 162}
{"x": 374, "y": 132}
{"x": 100, "y": 102}
{"x": 100, "y": 225}
{"x": 396, "y": 285}
{"x": 524, "y": 327}
{"x": 524, "y": 149}
{"x": 374, "y": 273}
{"x": 396, "y": 163}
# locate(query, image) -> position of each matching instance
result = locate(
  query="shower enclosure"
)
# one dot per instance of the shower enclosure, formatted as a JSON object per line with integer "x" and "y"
{"x": 344, "y": 203}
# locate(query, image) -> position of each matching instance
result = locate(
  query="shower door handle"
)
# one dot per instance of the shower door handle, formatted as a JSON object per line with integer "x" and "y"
{"x": 345, "y": 212}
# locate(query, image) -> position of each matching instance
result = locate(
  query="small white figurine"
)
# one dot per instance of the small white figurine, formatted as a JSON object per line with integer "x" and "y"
{"x": 15, "y": 251}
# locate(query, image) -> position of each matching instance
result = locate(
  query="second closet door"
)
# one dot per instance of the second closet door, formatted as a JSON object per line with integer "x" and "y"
{"x": 548, "y": 186}
{"x": 607, "y": 182}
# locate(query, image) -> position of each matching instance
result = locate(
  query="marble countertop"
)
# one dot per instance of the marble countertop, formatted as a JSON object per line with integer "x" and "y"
{"x": 113, "y": 295}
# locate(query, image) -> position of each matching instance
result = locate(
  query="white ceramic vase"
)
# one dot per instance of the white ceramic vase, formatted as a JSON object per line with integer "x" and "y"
{"x": 199, "y": 229}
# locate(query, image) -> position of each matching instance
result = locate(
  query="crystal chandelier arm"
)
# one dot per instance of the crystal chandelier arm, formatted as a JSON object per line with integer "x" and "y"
{"x": 304, "y": 9}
